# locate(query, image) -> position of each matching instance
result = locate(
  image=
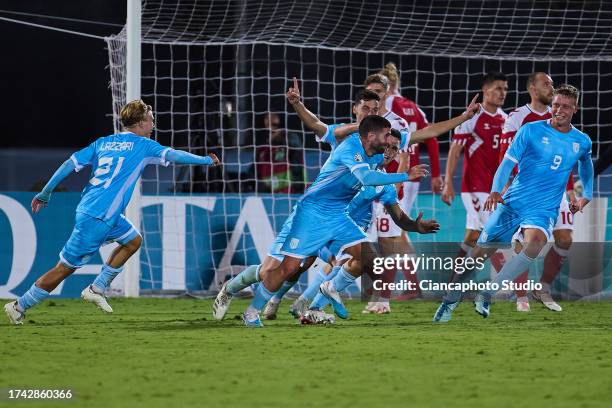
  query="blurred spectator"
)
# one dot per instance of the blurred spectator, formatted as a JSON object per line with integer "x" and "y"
{"x": 279, "y": 166}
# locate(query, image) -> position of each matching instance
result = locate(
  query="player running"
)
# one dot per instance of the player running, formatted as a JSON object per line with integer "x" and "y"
{"x": 545, "y": 151}
{"x": 540, "y": 88}
{"x": 117, "y": 162}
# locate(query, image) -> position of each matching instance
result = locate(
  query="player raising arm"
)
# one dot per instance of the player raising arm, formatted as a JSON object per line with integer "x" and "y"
{"x": 117, "y": 162}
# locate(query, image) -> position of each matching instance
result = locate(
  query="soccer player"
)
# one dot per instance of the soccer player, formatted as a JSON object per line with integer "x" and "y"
{"x": 416, "y": 118}
{"x": 540, "y": 88}
{"x": 480, "y": 137}
{"x": 350, "y": 166}
{"x": 117, "y": 161}
{"x": 545, "y": 151}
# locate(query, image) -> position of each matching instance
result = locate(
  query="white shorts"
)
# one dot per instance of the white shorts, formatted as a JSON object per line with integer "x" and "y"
{"x": 411, "y": 190}
{"x": 565, "y": 219}
{"x": 382, "y": 225}
{"x": 476, "y": 216}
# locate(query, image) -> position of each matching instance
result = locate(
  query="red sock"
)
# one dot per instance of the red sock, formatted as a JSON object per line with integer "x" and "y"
{"x": 552, "y": 264}
{"x": 522, "y": 278}
{"x": 498, "y": 261}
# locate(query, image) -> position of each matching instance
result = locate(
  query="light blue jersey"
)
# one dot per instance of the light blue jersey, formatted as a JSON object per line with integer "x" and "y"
{"x": 360, "y": 207}
{"x": 545, "y": 159}
{"x": 117, "y": 161}
{"x": 330, "y": 139}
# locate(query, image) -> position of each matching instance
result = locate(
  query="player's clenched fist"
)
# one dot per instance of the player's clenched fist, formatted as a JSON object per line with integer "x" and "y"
{"x": 215, "y": 159}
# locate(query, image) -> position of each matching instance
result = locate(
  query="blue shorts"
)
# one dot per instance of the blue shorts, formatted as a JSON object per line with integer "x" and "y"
{"x": 311, "y": 230}
{"x": 504, "y": 222}
{"x": 275, "y": 249}
{"x": 89, "y": 234}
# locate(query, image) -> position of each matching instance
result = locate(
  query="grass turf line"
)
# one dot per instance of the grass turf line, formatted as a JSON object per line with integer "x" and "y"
{"x": 169, "y": 352}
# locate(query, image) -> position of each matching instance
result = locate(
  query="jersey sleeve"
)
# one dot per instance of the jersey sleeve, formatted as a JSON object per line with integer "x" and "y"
{"x": 519, "y": 145}
{"x": 421, "y": 118}
{"x": 157, "y": 152}
{"x": 84, "y": 157}
{"x": 351, "y": 156}
{"x": 433, "y": 150}
{"x": 329, "y": 137}
{"x": 463, "y": 132}
{"x": 389, "y": 195}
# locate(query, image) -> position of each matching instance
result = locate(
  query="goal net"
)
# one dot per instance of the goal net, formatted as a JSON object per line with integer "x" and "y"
{"x": 216, "y": 73}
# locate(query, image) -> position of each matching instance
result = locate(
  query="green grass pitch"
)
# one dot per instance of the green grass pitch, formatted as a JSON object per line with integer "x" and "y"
{"x": 169, "y": 352}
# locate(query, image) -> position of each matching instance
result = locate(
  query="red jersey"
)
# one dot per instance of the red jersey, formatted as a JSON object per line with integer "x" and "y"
{"x": 392, "y": 168}
{"x": 480, "y": 139}
{"x": 516, "y": 119}
{"x": 417, "y": 120}
{"x": 273, "y": 167}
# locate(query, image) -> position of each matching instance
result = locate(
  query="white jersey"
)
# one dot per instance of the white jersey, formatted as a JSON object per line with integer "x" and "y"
{"x": 397, "y": 122}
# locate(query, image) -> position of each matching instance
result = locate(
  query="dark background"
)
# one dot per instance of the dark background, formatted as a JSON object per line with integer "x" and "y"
{"x": 55, "y": 86}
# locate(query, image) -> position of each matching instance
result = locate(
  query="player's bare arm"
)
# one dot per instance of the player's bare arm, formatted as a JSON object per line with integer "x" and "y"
{"x": 408, "y": 224}
{"x": 309, "y": 119}
{"x": 448, "y": 192}
{"x": 436, "y": 129}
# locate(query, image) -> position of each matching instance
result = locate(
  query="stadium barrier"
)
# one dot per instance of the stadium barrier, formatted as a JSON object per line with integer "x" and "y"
{"x": 175, "y": 255}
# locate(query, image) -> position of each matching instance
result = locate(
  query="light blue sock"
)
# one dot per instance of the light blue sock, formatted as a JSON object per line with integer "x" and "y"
{"x": 287, "y": 285}
{"x": 245, "y": 278}
{"x": 106, "y": 276}
{"x": 320, "y": 301}
{"x": 343, "y": 280}
{"x": 32, "y": 297}
{"x": 262, "y": 297}
{"x": 313, "y": 287}
{"x": 510, "y": 271}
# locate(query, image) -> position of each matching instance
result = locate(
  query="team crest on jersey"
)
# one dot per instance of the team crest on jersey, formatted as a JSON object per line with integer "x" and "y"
{"x": 408, "y": 111}
{"x": 545, "y": 140}
{"x": 576, "y": 147}
{"x": 293, "y": 244}
{"x": 358, "y": 157}
{"x": 379, "y": 189}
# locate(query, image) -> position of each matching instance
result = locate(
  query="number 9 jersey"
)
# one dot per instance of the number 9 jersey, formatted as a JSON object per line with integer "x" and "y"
{"x": 117, "y": 161}
{"x": 545, "y": 158}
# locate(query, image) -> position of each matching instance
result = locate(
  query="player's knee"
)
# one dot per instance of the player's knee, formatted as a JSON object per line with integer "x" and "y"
{"x": 563, "y": 240}
{"x": 134, "y": 245}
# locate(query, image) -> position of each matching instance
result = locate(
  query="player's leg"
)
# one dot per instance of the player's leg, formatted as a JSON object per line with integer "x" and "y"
{"x": 87, "y": 236}
{"x": 555, "y": 258}
{"x": 497, "y": 232}
{"x": 271, "y": 308}
{"x": 270, "y": 283}
{"x": 522, "y": 301}
{"x": 535, "y": 236}
{"x": 129, "y": 240}
{"x": 411, "y": 191}
{"x": 245, "y": 278}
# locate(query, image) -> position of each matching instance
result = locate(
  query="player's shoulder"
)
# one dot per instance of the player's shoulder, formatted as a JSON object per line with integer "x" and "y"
{"x": 500, "y": 113}
{"x": 469, "y": 125}
{"x": 582, "y": 137}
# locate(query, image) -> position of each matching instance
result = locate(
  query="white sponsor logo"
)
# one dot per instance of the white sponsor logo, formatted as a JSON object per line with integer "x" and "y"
{"x": 545, "y": 140}
{"x": 358, "y": 157}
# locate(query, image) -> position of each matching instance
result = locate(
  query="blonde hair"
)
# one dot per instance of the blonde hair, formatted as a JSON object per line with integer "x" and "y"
{"x": 134, "y": 112}
{"x": 390, "y": 71}
{"x": 568, "y": 91}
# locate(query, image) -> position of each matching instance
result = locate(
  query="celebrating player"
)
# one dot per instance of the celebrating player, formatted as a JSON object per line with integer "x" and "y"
{"x": 540, "y": 88}
{"x": 480, "y": 136}
{"x": 117, "y": 161}
{"x": 545, "y": 151}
